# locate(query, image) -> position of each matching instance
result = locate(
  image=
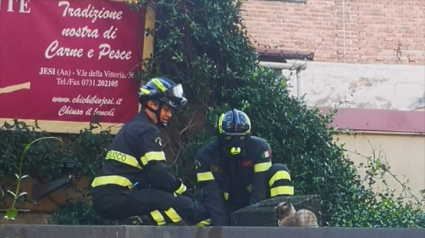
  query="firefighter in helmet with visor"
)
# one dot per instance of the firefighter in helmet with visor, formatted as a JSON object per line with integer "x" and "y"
{"x": 133, "y": 181}
{"x": 236, "y": 170}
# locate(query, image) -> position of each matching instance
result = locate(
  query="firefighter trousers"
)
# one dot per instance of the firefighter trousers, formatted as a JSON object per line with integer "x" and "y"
{"x": 159, "y": 206}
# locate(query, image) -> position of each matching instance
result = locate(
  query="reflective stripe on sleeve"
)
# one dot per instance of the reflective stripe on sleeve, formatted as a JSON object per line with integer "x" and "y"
{"x": 205, "y": 176}
{"x": 280, "y": 184}
{"x": 153, "y": 156}
{"x": 262, "y": 167}
{"x": 181, "y": 189}
{"x": 279, "y": 175}
{"x": 282, "y": 190}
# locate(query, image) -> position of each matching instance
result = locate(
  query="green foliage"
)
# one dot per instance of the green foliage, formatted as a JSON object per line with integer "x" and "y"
{"x": 200, "y": 44}
{"x": 12, "y": 213}
{"x": 360, "y": 207}
{"x": 86, "y": 148}
{"x": 14, "y": 137}
{"x": 77, "y": 212}
{"x": 204, "y": 45}
{"x": 43, "y": 159}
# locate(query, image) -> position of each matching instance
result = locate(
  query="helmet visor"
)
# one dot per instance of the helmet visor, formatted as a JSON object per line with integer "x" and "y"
{"x": 175, "y": 92}
{"x": 175, "y": 96}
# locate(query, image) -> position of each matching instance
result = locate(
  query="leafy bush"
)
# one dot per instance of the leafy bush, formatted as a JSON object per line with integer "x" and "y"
{"x": 45, "y": 158}
{"x": 204, "y": 45}
{"x": 77, "y": 212}
{"x": 12, "y": 212}
{"x": 86, "y": 148}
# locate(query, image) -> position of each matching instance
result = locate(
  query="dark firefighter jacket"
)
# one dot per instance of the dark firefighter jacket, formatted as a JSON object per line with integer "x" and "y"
{"x": 136, "y": 157}
{"x": 238, "y": 180}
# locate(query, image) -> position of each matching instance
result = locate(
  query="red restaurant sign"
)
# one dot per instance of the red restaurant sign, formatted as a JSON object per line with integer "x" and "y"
{"x": 64, "y": 61}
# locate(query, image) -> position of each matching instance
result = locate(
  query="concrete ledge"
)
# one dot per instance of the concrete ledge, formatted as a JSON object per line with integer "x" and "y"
{"x": 55, "y": 231}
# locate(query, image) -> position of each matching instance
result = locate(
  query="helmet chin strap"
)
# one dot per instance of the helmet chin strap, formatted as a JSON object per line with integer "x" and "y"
{"x": 157, "y": 114}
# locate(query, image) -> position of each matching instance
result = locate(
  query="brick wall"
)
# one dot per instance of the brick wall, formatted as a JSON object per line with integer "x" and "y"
{"x": 385, "y": 31}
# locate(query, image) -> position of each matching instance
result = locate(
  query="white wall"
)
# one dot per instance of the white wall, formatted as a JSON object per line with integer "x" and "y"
{"x": 368, "y": 86}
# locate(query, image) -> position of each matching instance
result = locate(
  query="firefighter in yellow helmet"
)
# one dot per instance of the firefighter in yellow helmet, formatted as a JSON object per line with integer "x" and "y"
{"x": 236, "y": 170}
